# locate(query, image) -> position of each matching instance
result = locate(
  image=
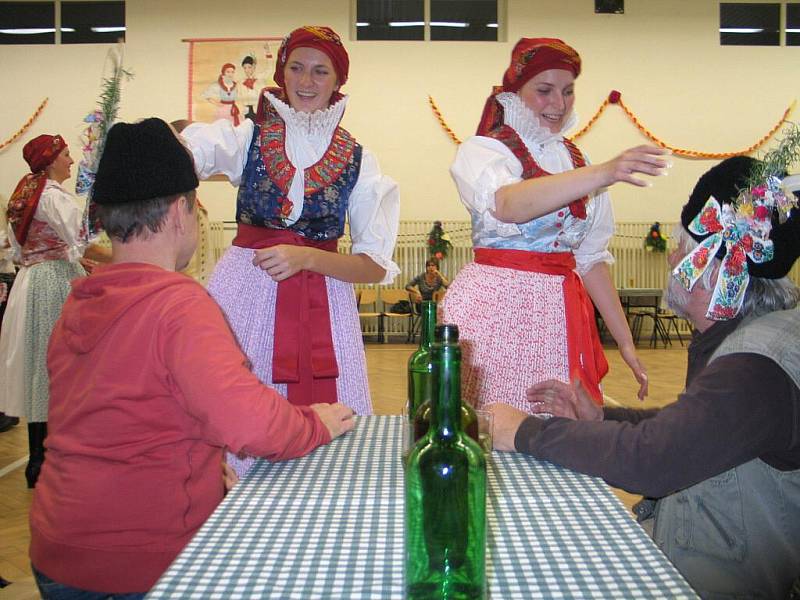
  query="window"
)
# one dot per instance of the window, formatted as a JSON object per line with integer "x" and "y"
{"x": 390, "y": 20}
{"x": 464, "y": 20}
{"x": 749, "y": 24}
{"x": 78, "y": 22}
{"x": 92, "y": 22}
{"x": 793, "y": 24}
{"x": 611, "y": 7}
{"x": 27, "y": 23}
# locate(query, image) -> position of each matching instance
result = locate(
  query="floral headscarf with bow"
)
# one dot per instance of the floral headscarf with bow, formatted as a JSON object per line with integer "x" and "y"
{"x": 741, "y": 229}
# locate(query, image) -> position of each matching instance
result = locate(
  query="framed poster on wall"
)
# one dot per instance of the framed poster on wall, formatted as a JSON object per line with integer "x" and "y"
{"x": 227, "y": 74}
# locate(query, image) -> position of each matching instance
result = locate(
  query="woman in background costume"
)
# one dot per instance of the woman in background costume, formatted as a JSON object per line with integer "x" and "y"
{"x": 541, "y": 222}
{"x": 44, "y": 227}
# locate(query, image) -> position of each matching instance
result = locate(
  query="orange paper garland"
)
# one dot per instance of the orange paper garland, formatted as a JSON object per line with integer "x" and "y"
{"x": 615, "y": 97}
{"x": 27, "y": 124}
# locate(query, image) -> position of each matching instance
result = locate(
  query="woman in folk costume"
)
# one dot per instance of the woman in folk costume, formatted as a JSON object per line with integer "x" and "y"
{"x": 223, "y": 94}
{"x": 541, "y": 222}
{"x": 287, "y": 293}
{"x": 44, "y": 226}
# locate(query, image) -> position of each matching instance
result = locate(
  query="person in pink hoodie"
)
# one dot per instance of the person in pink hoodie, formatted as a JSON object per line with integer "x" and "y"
{"x": 147, "y": 386}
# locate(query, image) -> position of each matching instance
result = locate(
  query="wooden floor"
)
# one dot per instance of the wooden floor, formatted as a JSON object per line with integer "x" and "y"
{"x": 386, "y": 363}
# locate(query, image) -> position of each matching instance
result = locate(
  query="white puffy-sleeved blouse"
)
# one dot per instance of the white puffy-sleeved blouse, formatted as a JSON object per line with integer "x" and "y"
{"x": 374, "y": 204}
{"x": 483, "y": 165}
{"x": 58, "y": 209}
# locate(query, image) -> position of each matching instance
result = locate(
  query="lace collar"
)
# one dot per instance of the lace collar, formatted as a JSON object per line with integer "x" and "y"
{"x": 319, "y": 124}
{"x": 522, "y": 119}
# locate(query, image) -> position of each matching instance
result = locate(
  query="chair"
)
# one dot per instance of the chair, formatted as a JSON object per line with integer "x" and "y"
{"x": 390, "y": 297}
{"x": 368, "y": 309}
{"x": 663, "y": 321}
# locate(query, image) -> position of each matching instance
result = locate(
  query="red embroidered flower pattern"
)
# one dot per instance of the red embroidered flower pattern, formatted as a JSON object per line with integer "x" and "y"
{"x": 762, "y": 213}
{"x": 747, "y": 243}
{"x": 735, "y": 262}
{"x": 700, "y": 259}
{"x": 709, "y": 220}
{"x": 724, "y": 312}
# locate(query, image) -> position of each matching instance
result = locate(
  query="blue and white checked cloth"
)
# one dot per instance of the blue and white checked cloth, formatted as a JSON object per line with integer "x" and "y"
{"x": 330, "y": 525}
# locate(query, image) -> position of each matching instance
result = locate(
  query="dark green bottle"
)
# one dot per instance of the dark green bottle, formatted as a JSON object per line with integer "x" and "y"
{"x": 446, "y": 493}
{"x": 422, "y": 414}
{"x": 420, "y": 365}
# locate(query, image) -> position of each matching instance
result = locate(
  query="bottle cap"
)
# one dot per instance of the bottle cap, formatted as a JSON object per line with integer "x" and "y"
{"x": 446, "y": 333}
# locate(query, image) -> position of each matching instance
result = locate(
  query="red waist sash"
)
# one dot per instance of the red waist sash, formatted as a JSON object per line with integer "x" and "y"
{"x": 587, "y": 361}
{"x": 303, "y": 355}
{"x": 234, "y": 110}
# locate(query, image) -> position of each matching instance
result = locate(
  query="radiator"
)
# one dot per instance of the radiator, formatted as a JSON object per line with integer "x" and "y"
{"x": 634, "y": 267}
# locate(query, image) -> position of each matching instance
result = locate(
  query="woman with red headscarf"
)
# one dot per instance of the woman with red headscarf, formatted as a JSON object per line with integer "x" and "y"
{"x": 287, "y": 292}
{"x": 44, "y": 225}
{"x": 541, "y": 225}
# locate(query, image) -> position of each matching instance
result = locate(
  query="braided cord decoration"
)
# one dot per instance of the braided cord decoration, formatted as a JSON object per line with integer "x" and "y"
{"x": 615, "y": 97}
{"x": 27, "y": 124}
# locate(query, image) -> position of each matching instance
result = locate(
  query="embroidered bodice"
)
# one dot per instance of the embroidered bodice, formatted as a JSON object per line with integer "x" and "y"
{"x": 269, "y": 173}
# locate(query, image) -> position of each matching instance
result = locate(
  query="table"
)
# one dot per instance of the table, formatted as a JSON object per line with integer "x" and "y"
{"x": 330, "y": 525}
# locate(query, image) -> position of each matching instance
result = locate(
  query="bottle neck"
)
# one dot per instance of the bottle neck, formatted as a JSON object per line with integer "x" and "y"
{"x": 428, "y": 327}
{"x": 446, "y": 413}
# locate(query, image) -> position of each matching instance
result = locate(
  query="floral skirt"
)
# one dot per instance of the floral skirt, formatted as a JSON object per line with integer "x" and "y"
{"x": 512, "y": 331}
{"x": 247, "y": 296}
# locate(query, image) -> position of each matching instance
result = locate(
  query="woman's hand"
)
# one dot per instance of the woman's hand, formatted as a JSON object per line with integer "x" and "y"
{"x": 284, "y": 260}
{"x": 563, "y": 400}
{"x": 415, "y": 296}
{"x": 628, "y": 352}
{"x": 644, "y": 159}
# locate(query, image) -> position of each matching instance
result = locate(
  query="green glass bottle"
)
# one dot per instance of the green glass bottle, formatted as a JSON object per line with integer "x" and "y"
{"x": 446, "y": 493}
{"x": 422, "y": 414}
{"x": 420, "y": 365}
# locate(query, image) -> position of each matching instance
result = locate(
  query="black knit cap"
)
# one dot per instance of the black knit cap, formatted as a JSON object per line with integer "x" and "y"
{"x": 141, "y": 161}
{"x": 724, "y": 181}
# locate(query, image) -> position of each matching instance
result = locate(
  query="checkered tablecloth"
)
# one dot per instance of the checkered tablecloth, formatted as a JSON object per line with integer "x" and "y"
{"x": 330, "y": 525}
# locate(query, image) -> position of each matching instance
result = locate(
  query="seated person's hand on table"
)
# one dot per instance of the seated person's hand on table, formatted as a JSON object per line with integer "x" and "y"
{"x": 507, "y": 420}
{"x": 229, "y": 476}
{"x": 338, "y": 418}
{"x": 563, "y": 400}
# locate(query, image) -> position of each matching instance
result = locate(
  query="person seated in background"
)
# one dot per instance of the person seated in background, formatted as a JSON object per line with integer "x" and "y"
{"x": 724, "y": 459}
{"x": 426, "y": 284}
{"x": 147, "y": 386}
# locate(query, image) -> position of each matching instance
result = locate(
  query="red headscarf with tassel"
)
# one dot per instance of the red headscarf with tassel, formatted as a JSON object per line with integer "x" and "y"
{"x": 39, "y": 153}
{"x": 529, "y": 57}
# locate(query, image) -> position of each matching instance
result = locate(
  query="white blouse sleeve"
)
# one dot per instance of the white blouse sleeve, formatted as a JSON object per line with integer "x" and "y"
{"x": 57, "y": 208}
{"x": 482, "y": 166}
{"x": 219, "y": 148}
{"x": 594, "y": 247}
{"x": 374, "y": 210}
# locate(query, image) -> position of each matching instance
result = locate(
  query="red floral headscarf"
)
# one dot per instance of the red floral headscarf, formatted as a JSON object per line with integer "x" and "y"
{"x": 320, "y": 38}
{"x": 529, "y": 57}
{"x": 39, "y": 153}
{"x": 42, "y": 150}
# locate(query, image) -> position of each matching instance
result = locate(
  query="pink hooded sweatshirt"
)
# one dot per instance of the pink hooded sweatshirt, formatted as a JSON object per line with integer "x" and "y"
{"x": 147, "y": 385}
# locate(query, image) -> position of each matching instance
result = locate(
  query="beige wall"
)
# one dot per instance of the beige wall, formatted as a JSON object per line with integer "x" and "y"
{"x": 664, "y": 56}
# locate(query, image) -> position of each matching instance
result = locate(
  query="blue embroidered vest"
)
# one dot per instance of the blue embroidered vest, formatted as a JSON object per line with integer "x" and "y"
{"x": 263, "y": 193}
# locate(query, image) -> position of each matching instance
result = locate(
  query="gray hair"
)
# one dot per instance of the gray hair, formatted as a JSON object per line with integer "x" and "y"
{"x": 762, "y": 295}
